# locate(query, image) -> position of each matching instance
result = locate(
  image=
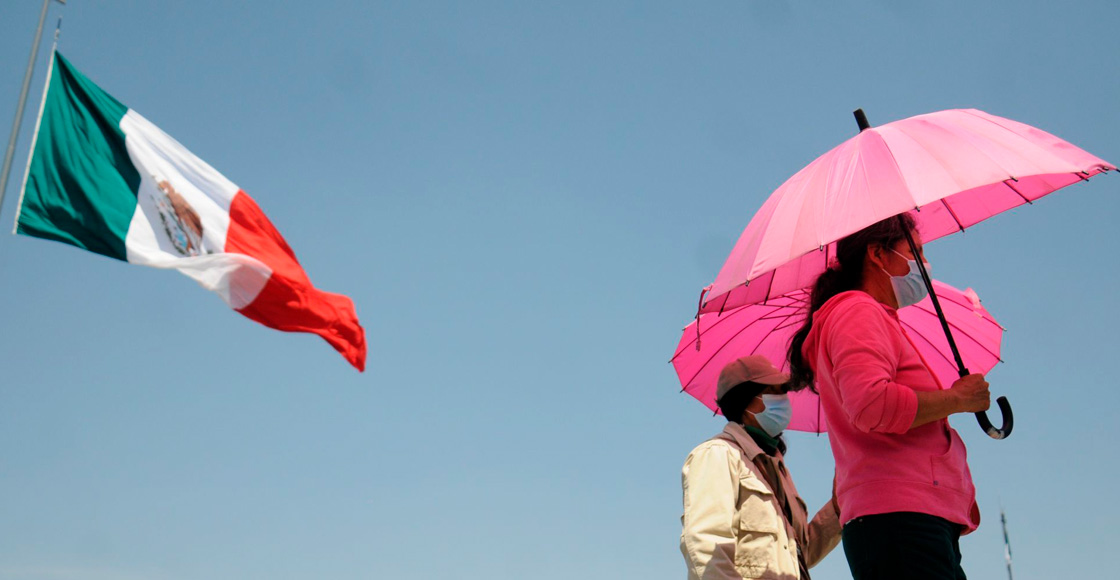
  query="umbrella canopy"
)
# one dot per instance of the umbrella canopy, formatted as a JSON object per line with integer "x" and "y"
{"x": 766, "y": 329}
{"x": 952, "y": 168}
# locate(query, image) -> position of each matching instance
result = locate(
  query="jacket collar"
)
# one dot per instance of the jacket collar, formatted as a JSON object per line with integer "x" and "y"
{"x": 743, "y": 440}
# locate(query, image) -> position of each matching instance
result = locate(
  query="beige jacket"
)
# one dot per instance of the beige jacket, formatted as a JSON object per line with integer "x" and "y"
{"x": 733, "y": 527}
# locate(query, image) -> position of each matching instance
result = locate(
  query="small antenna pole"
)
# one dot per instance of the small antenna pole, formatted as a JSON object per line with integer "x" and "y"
{"x": 1006, "y": 542}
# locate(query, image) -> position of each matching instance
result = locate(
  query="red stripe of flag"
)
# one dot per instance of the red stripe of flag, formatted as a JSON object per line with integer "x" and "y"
{"x": 288, "y": 301}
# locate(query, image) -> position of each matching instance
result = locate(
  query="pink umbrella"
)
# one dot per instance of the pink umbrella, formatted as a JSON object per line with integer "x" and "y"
{"x": 766, "y": 329}
{"x": 951, "y": 169}
{"x": 955, "y": 168}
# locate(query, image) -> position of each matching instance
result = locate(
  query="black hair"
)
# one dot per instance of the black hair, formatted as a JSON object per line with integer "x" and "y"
{"x": 735, "y": 401}
{"x": 845, "y": 275}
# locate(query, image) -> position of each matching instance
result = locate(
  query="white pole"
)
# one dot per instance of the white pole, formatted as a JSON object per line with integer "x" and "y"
{"x": 1006, "y": 543}
{"x": 22, "y": 101}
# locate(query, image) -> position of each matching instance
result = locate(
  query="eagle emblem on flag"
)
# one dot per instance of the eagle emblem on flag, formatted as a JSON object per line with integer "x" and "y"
{"x": 180, "y": 221}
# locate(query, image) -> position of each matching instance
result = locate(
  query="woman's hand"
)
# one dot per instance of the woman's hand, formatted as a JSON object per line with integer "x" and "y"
{"x": 972, "y": 394}
{"x": 968, "y": 394}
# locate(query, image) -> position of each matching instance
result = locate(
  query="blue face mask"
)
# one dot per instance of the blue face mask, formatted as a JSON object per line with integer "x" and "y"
{"x": 775, "y": 417}
{"x": 911, "y": 288}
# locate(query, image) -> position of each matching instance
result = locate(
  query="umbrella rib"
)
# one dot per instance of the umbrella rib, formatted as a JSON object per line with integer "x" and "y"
{"x": 964, "y": 332}
{"x": 789, "y": 322}
{"x": 977, "y": 342}
{"x": 720, "y": 349}
{"x": 945, "y": 202}
{"x": 952, "y": 299}
{"x": 718, "y": 320}
{"x": 929, "y": 342}
{"x": 1007, "y": 182}
{"x": 1024, "y": 142}
{"x": 967, "y": 140}
{"x": 983, "y": 313}
{"x": 960, "y": 332}
{"x": 902, "y": 176}
{"x": 727, "y": 296}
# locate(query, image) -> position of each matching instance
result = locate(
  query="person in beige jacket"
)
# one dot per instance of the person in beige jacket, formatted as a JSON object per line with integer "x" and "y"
{"x": 742, "y": 515}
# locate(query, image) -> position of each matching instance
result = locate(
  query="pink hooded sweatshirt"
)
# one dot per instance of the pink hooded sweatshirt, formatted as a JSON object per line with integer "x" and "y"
{"x": 867, "y": 371}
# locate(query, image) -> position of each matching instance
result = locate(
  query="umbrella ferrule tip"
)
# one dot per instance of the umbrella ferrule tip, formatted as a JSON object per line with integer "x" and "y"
{"x": 861, "y": 120}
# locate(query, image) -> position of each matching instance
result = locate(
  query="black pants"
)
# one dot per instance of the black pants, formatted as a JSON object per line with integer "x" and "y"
{"x": 903, "y": 545}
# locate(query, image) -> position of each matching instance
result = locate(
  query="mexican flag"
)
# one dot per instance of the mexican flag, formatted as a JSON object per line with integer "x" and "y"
{"x": 107, "y": 180}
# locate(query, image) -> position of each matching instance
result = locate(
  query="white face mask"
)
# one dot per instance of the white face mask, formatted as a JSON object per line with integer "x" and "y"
{"x": 776, "y": 416}
{"x": 910, "y": 288}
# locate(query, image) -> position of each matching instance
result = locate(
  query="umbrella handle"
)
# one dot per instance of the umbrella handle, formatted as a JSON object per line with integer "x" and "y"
{"x": 981, "y": 417}
{"x": 1008, "y": 420}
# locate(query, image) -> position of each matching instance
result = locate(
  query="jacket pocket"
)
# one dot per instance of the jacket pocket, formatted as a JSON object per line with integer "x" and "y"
{"x": 950, "y": 470}
{"x": 757, "y": 551}
{"x": 756, "y": 511}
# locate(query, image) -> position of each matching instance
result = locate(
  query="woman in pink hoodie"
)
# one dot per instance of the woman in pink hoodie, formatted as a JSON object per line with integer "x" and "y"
{"x": 902, "y": 478}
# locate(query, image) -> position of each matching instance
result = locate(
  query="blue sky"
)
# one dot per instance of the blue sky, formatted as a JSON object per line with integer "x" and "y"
{"x": 524, "y": 200}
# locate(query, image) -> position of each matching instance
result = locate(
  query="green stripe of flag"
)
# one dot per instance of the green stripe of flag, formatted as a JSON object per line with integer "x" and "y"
{"x": 81, "y": 185}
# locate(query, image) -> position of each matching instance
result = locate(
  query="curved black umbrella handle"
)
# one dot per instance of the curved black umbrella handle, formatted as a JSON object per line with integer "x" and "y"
{"x": 1008, "y": 420}
{"x": 981, "y": 417}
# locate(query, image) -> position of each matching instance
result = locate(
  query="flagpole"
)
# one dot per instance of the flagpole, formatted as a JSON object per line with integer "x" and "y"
{"x": 23, "y": 98}
{"x": 38, "y": 120}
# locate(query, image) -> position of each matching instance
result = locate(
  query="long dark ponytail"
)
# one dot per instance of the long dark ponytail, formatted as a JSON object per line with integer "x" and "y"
{"x": 846, "y": 274}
